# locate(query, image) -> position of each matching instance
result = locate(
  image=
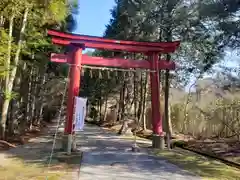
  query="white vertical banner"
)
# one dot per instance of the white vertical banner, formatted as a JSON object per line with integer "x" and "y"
{"x": 80, "y": 113}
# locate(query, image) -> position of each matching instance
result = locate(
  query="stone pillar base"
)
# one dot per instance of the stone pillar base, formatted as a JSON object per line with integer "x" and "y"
{"x": 68, "y": 143}
{"x": 73, "y": 158}
{"x": 158, "y": 142}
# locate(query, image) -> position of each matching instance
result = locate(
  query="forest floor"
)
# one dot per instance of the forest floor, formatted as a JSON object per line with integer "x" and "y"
{"x": 27, "y": 158}
{"x": 228, "y": 149}
{"x": 14, "y": 141}
{"x": 207, "y": 168}
{"x": 225, "y": 148}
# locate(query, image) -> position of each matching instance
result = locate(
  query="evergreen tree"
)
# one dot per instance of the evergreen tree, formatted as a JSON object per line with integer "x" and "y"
{"x": 25, "y": 24}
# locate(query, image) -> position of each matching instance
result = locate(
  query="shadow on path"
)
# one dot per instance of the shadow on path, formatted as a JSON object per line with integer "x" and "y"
{"x": 108, "y": 156}
{"x": 105, "y": 156}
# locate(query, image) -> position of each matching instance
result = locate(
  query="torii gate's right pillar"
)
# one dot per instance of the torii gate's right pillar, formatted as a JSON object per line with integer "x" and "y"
{"x": 158, "y": 136}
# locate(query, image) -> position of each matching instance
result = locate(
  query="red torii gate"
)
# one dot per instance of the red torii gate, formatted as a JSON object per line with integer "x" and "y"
{"x": 75, "y": 58}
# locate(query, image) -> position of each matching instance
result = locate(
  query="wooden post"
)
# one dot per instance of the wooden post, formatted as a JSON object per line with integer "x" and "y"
{"x": 158, "y": 139}
{"x": 73, "y": 90}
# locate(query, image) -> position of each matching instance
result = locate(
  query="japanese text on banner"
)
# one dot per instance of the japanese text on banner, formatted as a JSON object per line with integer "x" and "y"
{"x": 80, "y": 113}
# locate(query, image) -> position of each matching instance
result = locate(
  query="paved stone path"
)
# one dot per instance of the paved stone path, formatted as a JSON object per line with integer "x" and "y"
{"x": 108, "y": 157}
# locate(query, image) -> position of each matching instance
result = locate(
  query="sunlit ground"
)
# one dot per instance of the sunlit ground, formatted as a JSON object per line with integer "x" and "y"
{"x": 13, "y": 168}
{"x": 206, "y": 168}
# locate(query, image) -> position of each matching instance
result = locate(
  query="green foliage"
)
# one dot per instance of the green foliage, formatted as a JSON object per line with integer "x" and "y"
{"x": 57, "y": 10}
{"x": 169, "y": 20}
{"x": 23, "y": 72}
{"x": 224, "y": 17}
{"x": 10, "y": 95}
{"x": 3, "y": 50}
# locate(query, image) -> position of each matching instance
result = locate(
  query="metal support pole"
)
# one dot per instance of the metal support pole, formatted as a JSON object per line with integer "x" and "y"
{"x": 158, "y": 138}
{"x": 73, "y": 90}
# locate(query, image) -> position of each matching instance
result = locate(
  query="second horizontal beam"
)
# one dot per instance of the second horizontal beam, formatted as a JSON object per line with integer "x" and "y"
{"x": 114, "y": 62}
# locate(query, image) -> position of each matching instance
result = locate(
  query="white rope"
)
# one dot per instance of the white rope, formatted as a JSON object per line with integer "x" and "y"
{"x": 63, "y": 98}
{"x": 58, "y": 124}
{"x": 117, "y": 69}
{"x": 113, "y": 69}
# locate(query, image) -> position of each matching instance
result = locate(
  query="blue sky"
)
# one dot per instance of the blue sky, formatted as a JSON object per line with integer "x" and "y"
{"x": 93, "y": 16}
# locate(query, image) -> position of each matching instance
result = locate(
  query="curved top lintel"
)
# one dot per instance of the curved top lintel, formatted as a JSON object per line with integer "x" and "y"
{"x": 164, "y": 45}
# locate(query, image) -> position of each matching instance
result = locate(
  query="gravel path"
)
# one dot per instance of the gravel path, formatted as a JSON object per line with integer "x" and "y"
{"x": 108, "y": 157}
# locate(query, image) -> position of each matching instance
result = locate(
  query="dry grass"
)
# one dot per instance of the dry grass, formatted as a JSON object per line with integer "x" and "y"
{"x": 16, "y": 169}
{"x": 206, "y": 168}
{"x": 234, "y": 159}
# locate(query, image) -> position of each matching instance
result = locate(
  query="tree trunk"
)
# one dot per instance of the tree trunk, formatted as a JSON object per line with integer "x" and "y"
{"x": 123, "y": 101}
{"x": 10, "y": 119}
{"x": 13, "y": 73}
{"x": 33, "y": 108}
{"x": 99, "y": 109}
{"x": 168, "y": 36}
{"x": 144, "y": 107}
{"x": 167, "y": 118}
{"x": 135, "y": 94}
{"x": 105, "y": 109}
{"x": 6, "y": 84}
{"x": 141, "y": 99}
{"x": 29, "y": 98}
{"x": 40, "y": 99}
{"x": 26, "y": 100}
{"x": 4, "y": 116}
{"x": 33, "y": 98}
{"x": 15, "y": 109}
{"x": 121, "y": 107}
{"x": 2, "y": 21}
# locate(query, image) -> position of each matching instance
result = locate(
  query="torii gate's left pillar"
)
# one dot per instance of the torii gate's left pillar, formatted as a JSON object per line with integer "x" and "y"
{"x": 75, "y": 61}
